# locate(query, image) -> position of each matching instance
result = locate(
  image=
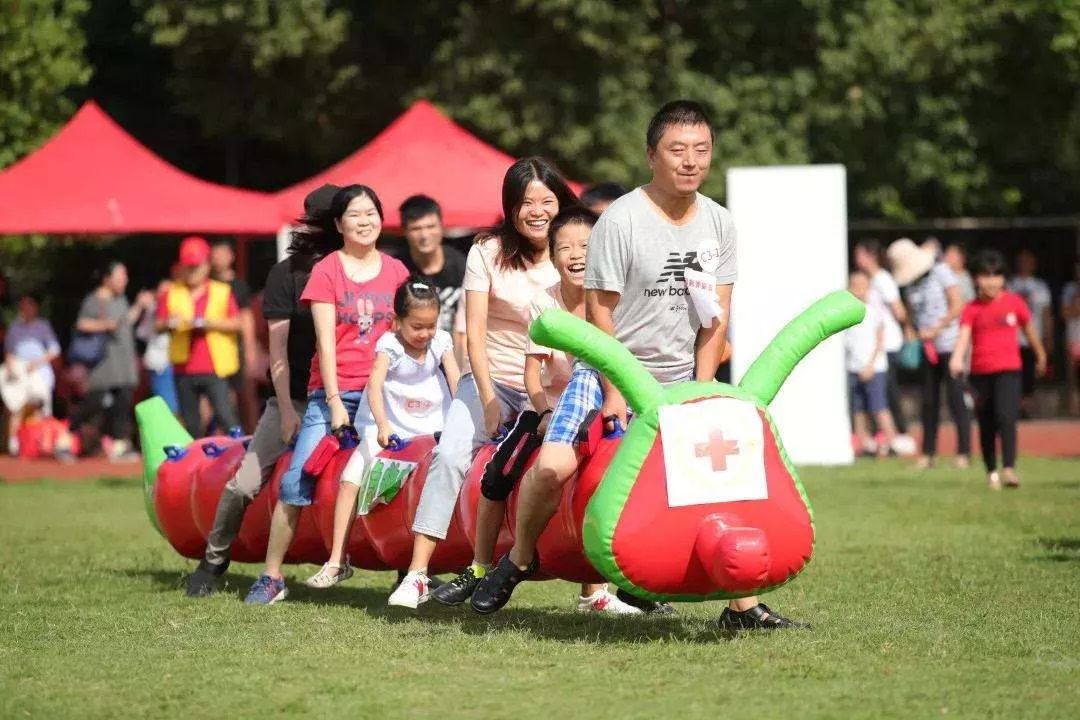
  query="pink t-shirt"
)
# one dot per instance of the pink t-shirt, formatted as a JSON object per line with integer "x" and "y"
{"x": 510, "y": 294}
{"x": 364, "y": 312}
{"x": 555, "y": 372}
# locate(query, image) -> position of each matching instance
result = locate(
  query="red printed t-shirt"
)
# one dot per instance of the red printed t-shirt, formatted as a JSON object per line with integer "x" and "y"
{"x": 364, "y": 312}
{"x": 994, "y": 325}
{"x": 199, "y": 361}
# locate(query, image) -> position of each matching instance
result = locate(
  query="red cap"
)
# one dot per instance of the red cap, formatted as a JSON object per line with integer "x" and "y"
{"x": 194, "y": 250}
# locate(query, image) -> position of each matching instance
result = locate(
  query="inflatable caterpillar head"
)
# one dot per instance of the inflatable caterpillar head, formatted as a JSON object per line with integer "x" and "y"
{"x": 700, "y": 501}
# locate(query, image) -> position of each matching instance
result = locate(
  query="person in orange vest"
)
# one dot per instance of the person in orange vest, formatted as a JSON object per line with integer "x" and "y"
{"x": 204, "y": 321}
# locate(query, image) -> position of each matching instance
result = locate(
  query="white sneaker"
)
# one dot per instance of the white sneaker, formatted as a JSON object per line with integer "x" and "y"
{"x": 993, "y": 480}
{"x": 411, "y": 591}
{"x": 603, "y": 601}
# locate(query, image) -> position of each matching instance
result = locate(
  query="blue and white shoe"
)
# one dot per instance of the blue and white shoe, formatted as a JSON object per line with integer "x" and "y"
{"x": 266, "y": 591}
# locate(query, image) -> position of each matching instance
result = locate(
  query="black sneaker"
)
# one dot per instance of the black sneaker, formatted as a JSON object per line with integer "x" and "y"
{"x": 204, "y": 580}
{"x": 651, "y": 607}
{"x": 759, "y": 617}
{"x": 459, "y": 589}
{"x": 495, "y": 589}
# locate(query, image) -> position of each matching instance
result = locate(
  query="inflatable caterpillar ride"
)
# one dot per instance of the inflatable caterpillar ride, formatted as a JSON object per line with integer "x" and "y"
{"x": 697, "y": 500}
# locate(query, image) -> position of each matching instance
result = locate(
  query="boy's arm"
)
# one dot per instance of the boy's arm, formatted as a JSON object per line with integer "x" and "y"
{"x": 959, "y": 353}
{"x": 599, "y": 310}
{"x": 533, "y": 386}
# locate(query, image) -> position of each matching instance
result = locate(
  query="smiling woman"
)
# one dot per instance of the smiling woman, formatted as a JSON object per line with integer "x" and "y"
{"x": 505, "y": 269}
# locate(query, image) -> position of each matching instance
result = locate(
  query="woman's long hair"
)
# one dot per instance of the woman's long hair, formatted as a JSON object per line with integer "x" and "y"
{"x": 316, "y": 234}
{"x": 516, "y": 249}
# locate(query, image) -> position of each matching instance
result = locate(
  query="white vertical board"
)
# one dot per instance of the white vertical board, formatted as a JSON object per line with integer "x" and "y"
{"x": 792, "y": 242}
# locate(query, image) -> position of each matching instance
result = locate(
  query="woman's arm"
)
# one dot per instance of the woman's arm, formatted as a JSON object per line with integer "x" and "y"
{"x": 376, "y": 401}
{"x": 533, "y": 386}
{"x": 476, "y": 309}
{"x": 323, "y": 313}
{"x": 450, "y": 367}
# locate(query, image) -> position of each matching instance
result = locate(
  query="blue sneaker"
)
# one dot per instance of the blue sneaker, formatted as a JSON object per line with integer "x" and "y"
{"x": 266, "y": 591}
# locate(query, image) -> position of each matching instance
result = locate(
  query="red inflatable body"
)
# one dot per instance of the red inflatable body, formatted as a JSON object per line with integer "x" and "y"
{"x": 190, "y": 482}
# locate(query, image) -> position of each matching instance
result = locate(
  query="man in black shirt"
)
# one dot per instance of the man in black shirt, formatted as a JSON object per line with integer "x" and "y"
{"x": 292, "y": 345}
{"x": 441, "y": 265}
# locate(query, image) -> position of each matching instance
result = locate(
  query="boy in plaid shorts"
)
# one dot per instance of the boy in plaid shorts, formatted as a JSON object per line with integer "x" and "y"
{"x": 635, "y": 290}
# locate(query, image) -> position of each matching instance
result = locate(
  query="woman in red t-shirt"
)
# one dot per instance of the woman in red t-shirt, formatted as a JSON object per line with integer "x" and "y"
{"x": 351, "y": 293}
{"x": 989, "y": 324}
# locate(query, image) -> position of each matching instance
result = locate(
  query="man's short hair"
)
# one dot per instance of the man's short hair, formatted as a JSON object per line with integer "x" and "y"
{"x": 416, "y": 207}
{"x": 676, "y": 112}
{"x": 602, "y": 192}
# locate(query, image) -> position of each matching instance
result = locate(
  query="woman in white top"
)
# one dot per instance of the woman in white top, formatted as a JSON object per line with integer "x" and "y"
{"x": 412, "y": 382}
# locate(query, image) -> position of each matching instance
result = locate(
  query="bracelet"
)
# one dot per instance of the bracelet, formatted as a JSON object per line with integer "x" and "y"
{"x": 331, "y": 397}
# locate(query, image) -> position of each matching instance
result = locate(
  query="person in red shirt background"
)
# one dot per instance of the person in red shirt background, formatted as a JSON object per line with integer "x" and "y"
{"x": 204, "y": 322}
{"x": 989, "y": 324}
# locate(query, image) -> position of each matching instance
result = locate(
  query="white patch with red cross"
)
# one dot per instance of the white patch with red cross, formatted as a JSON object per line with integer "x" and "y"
{"x": 714, "y": 452}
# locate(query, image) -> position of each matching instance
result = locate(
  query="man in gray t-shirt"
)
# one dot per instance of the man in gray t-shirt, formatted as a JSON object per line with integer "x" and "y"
{"x": 636, "y": 289}
{"x": 638, "y": 253}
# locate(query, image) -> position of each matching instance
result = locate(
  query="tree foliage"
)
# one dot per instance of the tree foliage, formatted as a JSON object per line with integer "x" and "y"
{"x": 41, "y": 58}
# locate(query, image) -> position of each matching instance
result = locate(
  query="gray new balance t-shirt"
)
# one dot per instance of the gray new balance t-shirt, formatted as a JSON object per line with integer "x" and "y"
{"x": 637, "y": 253}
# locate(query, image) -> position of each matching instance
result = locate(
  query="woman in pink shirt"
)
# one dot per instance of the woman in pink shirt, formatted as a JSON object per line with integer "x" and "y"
{"x": 351, "y": 294}
{"x": 505, "y": 269}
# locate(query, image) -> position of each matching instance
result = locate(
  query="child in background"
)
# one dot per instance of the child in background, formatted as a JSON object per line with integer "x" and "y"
{"x": 867, "y": 369}
{"x": 409, "y": 391}
{"x": 988, "y": 325}
{"x": 547, "y": 373}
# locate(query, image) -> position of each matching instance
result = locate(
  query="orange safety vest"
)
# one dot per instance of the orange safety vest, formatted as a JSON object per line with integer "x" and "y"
{"x": 224, "y": 348}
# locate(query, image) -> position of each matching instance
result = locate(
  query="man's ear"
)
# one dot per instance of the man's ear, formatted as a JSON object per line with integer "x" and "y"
{"x": 650, "y": 157}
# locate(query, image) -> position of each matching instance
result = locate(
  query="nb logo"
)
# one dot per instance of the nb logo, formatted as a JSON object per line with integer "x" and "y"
{"x": 675, "y": 267}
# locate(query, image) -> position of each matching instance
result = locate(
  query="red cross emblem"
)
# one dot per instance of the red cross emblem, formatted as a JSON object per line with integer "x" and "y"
{"x": 717, "y": 449}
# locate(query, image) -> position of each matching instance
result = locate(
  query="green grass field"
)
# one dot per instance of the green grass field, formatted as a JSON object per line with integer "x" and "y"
{"x": 929, "y": 594}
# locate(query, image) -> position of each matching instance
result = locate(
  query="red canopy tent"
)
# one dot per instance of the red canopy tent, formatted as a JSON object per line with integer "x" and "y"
{"x": 422, "y": 151}
{"x": 94, "y": 178}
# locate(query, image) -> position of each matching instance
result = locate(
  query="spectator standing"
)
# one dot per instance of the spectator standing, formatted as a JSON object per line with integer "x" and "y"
{"x": 884, "y": 294}
{"x": 30, "y": 346}
{"x": 112, "y": 381}
{"x": 867, "y": 367}
{"x": 956, "y": 258}
{"x": 203, "y": 318}
{"x": 1070, "y": 310}
{"x": 988, "y": 326}
{"x": 434, "y": 262}
{"x": 933, "y": 294}
{"x": 222, "y": 262}
{"x": 1036, "y": 293}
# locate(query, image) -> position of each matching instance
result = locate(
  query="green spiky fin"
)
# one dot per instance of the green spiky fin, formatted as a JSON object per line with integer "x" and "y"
{"x": 158, "y": 427}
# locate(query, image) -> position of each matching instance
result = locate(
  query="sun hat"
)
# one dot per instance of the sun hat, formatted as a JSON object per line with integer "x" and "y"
{"x": 908, "y": 262}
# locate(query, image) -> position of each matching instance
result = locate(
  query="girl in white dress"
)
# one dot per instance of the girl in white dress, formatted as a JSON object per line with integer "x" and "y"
{"x": 412, "y": 382}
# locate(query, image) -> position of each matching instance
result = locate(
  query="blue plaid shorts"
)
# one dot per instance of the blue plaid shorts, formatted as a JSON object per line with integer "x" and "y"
{"x": 582, "y": 394}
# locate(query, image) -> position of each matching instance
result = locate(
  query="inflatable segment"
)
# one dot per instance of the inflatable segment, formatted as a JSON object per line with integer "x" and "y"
{"x": 696, "y": 501}
{"x": 700, "y": 501}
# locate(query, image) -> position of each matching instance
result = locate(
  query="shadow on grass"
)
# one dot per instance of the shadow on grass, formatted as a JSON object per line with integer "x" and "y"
{"x": 117, "y": 482}
{"x": 562, "y": 625}
{"x": 1063, "y": 549}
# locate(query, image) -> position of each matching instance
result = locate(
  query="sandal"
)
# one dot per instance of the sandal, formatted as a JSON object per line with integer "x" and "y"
{"x": 1011, "y": 480}
{"x": 329, "y": 575}
{"x": 993, "y": 480}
